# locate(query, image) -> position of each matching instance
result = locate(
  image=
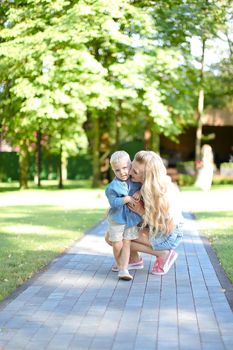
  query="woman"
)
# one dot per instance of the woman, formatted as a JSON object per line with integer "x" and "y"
{"x": 161, "y": 228}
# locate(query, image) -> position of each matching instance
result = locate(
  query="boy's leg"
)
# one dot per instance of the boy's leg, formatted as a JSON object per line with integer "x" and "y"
{"x": 124, "y": 259}
{"x": 114, "y": 237}
{"x": 117, "y": 248}
{"x": 106, "y": 237}
{"x": 124, "y": 255}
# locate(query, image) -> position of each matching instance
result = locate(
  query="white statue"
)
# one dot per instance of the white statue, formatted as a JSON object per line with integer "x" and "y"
{"x": 206, "y": 170}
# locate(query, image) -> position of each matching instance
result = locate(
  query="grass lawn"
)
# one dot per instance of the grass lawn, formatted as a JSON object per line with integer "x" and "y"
{"x": 37, "y": 225}
{"x": 214, "y": 212}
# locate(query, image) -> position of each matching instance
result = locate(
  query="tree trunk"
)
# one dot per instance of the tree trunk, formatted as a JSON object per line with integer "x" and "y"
{"x": 151, "y": 136}
{"x": 104, "y": 150}
{"x": 60, "y": 179}
{"x": 38, "y": 159}
{"x": 23, "y": 164}
{"x": 147, "y": 139}
{"x": 200, "y": 110}
{"x": 92, "y": 128}
{"x": 155, "y": 145}
{"x": 229, "y": 41}
{"x": 147, "y": 133}
{"x": 95, "y": 151}
{"x": 118, "y": 126}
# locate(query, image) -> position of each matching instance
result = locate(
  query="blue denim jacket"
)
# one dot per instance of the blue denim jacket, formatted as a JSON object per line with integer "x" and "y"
{"x": 119, "y": 212}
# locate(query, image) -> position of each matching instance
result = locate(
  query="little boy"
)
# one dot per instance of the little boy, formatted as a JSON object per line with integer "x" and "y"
{"x": 122, "y": 221}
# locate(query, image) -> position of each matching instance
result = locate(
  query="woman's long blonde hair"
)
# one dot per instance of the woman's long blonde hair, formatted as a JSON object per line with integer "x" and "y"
{"x": 154, "y": 193}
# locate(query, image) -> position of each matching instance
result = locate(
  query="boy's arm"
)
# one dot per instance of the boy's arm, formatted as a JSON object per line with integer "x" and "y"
{"x": 115, "y": 200}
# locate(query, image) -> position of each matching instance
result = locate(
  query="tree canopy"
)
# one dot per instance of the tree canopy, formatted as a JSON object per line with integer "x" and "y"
{"x": 88, "y": 74}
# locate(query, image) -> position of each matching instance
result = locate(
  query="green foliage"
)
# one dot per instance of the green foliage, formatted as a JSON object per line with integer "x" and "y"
{"x": 76, "y": 70}
{"x": 58, "y": 68}
{"x": 78, "y": 167}
{"x": 186, "y": 167}
{"x": 221, "y": 180}
{"x": 226, "y": 169}
{"x": 185, "y": 180}
{"x": 9, "y": 166}
{"x": 227, "y": 165}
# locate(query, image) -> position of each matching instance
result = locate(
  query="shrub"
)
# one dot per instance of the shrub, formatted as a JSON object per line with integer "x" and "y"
{"x": 226, "y": 169}
{"x": 185, "y": 180}
{"x": 186, "y": 168}
{"x": 222, "y": 180}
{"x": 227, "y": 165}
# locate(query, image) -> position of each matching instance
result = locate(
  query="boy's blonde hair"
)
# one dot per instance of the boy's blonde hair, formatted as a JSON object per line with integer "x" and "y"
{"x": 118, "y": 156}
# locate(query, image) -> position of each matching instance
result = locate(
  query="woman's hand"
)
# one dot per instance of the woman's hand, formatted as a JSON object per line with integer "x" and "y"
{"x": 137, "y": 195}
{"x": 136, "y": 206}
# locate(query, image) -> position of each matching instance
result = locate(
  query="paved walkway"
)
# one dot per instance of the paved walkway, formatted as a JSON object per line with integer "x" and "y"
{"x": 78, "y": 303}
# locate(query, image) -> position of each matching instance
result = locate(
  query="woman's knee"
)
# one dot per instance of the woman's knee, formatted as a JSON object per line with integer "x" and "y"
{"x": 143, "y": 238}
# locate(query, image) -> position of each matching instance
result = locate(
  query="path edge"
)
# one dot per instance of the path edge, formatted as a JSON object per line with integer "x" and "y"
{"x": 222, "y": 277}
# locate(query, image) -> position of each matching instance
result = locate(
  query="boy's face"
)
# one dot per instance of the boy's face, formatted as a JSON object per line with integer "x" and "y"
{"x": 121, "y": 169}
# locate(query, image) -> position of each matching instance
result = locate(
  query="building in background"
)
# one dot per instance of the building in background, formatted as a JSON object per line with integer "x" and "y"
{"x": 217, "y": 131}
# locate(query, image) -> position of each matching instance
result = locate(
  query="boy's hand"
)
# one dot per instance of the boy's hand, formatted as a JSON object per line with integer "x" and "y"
{"x": 127, "y": 199}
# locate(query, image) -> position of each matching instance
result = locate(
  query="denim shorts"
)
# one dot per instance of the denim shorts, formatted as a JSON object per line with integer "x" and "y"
{"x": 167, "y": 242}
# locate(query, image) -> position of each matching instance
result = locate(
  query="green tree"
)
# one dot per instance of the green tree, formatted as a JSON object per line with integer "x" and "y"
{"x": 51, "y": 73}
{"x": 97, "y": 72}
{"x": 178, "y": 22}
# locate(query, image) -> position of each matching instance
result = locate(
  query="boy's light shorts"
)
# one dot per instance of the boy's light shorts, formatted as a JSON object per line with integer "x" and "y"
{"x": 118, "y": 232}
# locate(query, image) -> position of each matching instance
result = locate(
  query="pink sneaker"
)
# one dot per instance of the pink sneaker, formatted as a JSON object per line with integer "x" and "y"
{"x": 136, "y": 264}
{"x": 160, "y": 267}
{"x": 157, "y": 269}
{"x": 172, "y": 256}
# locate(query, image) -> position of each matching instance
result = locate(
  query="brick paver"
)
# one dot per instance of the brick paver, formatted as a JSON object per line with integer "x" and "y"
{"x": 78, "y": 303}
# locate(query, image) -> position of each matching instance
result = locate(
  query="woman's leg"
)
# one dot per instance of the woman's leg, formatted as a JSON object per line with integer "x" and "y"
{"x": 142, "y": 244}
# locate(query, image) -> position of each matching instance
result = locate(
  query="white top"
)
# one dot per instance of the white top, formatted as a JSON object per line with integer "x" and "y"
{"x": 173, "y": 195}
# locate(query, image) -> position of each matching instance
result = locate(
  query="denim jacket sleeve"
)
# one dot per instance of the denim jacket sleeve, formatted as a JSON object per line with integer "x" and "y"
{"x": 115, "y": 192}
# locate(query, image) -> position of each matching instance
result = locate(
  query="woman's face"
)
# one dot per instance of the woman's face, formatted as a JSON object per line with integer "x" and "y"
{"x": 137, "y": 172}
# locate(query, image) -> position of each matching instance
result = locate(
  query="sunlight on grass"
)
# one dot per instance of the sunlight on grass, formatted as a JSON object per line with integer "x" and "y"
{"x": 38, "y": 225}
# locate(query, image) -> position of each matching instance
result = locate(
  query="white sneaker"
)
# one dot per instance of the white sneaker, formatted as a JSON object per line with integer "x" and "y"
{"x": 133, "y": 265}
{"x": 124, "y": 275}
